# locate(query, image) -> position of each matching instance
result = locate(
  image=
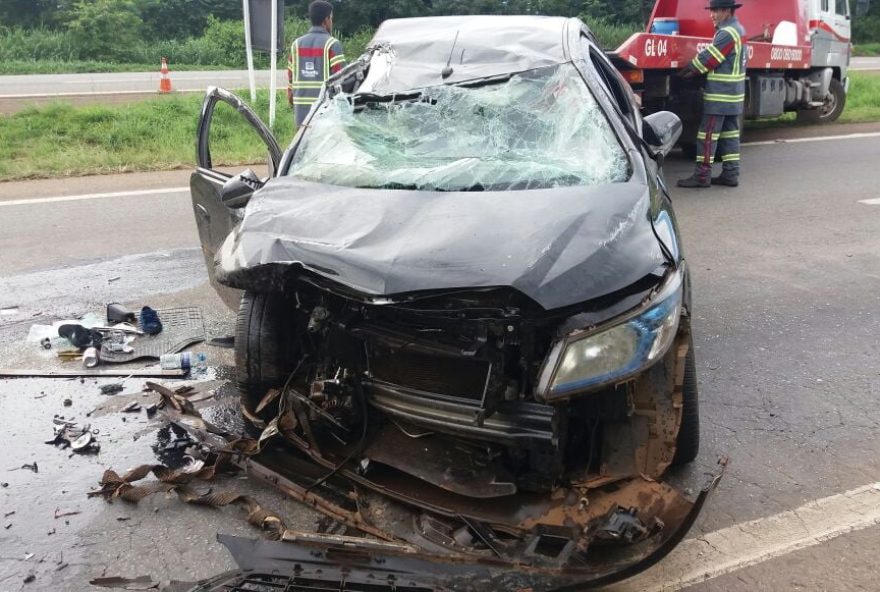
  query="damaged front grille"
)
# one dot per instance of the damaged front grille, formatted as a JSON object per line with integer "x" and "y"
{"x": 442, "y": 376}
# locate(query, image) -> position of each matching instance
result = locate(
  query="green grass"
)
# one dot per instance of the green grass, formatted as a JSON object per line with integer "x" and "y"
{"x": 44, "y": 51}
{"x": 158, "y": 134}
{"x": 86, "y": 66}
{"x": 610, "y": 34}
{"x": 862, "y": 104}
{"x": 867, "y": 50}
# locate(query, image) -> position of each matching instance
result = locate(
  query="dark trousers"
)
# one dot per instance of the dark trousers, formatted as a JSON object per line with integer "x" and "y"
{"x": 718, "y": 134}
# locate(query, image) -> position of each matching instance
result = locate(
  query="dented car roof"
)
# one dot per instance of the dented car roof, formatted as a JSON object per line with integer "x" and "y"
{"x": 473, "y": 46}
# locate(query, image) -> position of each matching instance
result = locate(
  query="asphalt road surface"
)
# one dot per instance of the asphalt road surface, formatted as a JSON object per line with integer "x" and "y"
{"x": 787, "y": 312}
{"x": 17, "y": 91}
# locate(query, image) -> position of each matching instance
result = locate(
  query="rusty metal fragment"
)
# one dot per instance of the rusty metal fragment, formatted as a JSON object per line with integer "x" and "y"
{"x": 178, "y": 481}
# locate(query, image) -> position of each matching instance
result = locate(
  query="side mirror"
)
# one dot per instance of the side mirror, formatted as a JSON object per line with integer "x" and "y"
{"x": 238, "y": 190}
{"x": 862, "y": 7}
{"x": 661, "y": 131}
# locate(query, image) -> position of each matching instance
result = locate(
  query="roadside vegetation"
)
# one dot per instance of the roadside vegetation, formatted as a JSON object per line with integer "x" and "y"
{"x": 159, "y": 134}
{"x": 59, "y": 36}
{"x": 867, "y": 50}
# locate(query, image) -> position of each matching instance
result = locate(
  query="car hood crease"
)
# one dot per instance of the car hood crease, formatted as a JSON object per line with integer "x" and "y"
{"x": 557, "y": 246}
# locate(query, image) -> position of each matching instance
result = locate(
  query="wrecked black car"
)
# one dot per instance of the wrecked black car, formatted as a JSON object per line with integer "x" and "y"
{"x": 464, "y": 311}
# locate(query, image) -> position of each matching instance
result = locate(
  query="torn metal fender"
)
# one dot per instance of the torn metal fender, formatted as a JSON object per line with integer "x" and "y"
{"x": 342, "y": 559}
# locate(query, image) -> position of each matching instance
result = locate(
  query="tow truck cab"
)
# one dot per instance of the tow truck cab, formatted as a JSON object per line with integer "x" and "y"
{"x": 799, "y": 53}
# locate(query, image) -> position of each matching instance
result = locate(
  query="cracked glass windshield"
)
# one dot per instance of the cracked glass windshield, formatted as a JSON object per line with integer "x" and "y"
{"x": 536, "y": 129}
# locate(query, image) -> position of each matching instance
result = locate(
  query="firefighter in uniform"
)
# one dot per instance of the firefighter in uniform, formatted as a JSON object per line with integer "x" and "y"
{"x": 314, "y": 57}
{"x": 724, "y": 64}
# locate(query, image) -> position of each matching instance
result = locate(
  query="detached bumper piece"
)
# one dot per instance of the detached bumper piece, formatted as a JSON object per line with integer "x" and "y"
{"x": 303, "y": 562}
{"x": 428, "y": 538}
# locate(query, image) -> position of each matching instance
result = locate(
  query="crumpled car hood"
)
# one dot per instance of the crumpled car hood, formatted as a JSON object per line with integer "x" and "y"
{"x": 557, "y": 246}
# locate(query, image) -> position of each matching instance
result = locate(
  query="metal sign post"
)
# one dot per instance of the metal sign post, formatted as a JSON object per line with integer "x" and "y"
{"x": 273, "y": 80}
{"x": 249, "y": 48}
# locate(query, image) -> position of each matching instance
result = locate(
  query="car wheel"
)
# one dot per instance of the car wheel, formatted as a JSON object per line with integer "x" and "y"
{"x": 263, "y": 348}
{"x": 832, "y": 108}
{"x": 687, "y": 445}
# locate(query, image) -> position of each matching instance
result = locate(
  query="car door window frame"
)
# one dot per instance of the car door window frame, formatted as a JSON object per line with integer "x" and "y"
{"x": 609, "y": 78}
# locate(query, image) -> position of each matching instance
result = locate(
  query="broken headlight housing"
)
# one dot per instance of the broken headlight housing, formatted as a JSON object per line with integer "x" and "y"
{"x": 588, "y": 359}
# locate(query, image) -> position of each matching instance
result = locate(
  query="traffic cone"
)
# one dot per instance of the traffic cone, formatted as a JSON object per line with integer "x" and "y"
{"x": 164, "y": 81}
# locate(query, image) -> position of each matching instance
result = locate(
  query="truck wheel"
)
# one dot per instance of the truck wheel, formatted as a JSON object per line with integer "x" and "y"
{"x": 832, "y": 108}
{"x": 264, "y": 348}
{"x": 687, "y": 444}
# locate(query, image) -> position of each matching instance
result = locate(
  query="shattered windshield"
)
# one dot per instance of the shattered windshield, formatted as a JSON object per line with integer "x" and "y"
{"x": 533, "y": 130}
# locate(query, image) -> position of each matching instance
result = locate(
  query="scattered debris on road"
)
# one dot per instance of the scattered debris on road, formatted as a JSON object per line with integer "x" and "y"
{"x": 121, "y": 373}
{"x": 59, "y": 513}
{"x": 79, "y": 440}
{"x": 139, "y": 583}
{"x": 111, "y": 389}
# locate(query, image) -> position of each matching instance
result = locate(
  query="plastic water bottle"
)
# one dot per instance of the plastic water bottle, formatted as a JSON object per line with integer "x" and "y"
{"x": 184, "y": 361}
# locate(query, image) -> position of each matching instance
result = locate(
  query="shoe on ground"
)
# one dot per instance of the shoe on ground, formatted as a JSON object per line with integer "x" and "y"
{"x": 150, "y": 323}
{"x": 726, "y": 181}
{"x": 694, "y": 182}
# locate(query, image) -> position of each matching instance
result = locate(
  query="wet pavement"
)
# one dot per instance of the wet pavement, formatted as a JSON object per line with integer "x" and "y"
{"x": 161, "y": 536}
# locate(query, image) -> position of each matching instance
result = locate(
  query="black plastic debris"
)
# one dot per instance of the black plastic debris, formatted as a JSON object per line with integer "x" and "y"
{"x": 80, "y": 440}
{"x": 111, "y": 389}
{"x": 79, "y": 336}
{"x": 116, "y": 313}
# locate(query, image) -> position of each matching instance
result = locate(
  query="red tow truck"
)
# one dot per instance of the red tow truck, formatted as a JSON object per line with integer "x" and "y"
{"x": 799, "y": 53}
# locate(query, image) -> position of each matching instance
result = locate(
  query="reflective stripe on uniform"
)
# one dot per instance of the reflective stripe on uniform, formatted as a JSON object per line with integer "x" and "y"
{"x": 295, "y": 52}
{"x": 699, "y": 65}
{"x": 327, "y": 45}
{"x": 729, "y": 157}
{"x": 337, "y": 60}
{"x": 719, "y": 98}
{"x": 702, "y": 136}
{"x": 729, "y": 135}
{"x": 715, "y": 53}
{"x": 737, "y": 40}
{"x": 727, "y": 77}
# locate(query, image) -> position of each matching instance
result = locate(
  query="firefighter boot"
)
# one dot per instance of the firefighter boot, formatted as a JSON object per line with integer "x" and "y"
{"x": 726, "y": 179}
{"x": 701, "y": 178}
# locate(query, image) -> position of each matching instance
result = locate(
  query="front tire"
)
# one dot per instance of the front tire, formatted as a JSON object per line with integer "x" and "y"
{"x": 264, "y": 348}
{"x": 831, "y": 110}
{"x": 687, "y": 444}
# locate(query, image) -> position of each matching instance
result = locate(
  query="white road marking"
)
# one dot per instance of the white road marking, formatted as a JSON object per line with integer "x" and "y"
{"x": 856, "y": 136}
{"x": 871, "y": 202}
{"x": 61, "y": 198}
{"x": 750, "y": 543}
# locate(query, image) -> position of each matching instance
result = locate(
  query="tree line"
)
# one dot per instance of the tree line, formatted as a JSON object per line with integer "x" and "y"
{"x": 179, "y": 19}
{"x": 187, "y": 18}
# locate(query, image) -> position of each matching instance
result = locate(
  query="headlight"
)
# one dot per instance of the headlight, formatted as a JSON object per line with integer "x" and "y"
{"x": 589, "y": 359}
